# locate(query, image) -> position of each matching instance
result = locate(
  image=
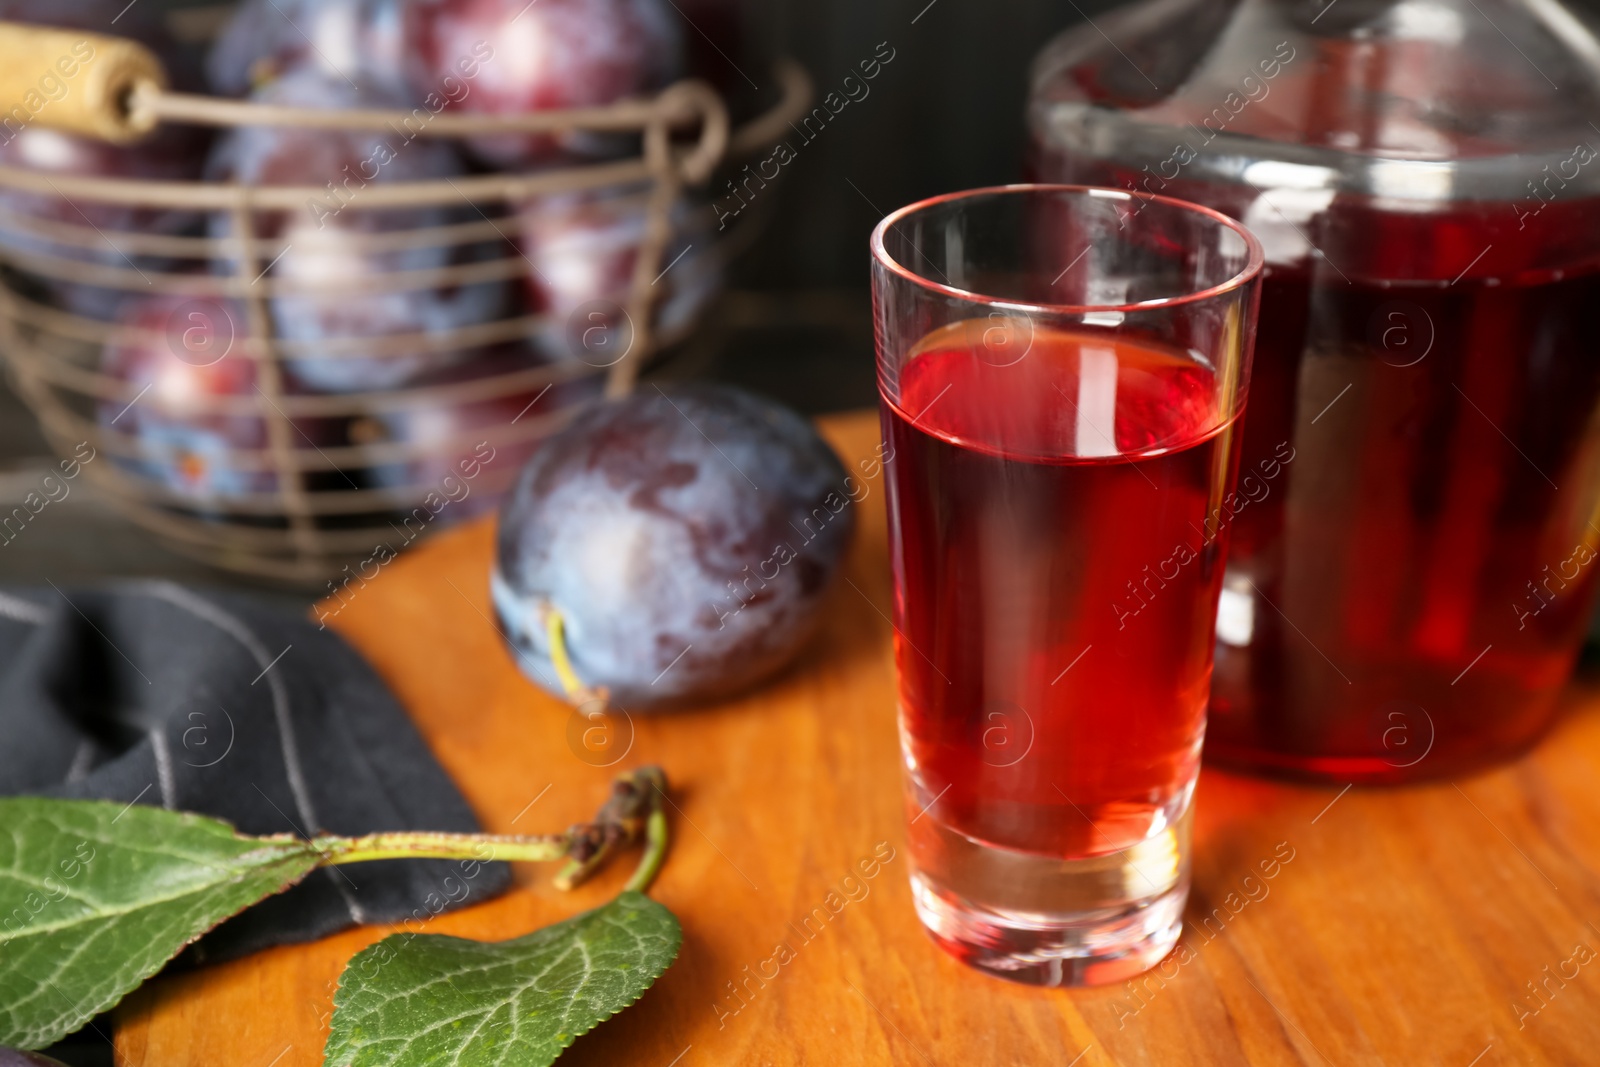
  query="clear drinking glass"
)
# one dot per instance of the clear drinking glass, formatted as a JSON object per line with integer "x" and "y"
{"x": 1062, "y": 372}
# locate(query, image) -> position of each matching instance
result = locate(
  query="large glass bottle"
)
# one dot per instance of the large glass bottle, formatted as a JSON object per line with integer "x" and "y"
{"x": 1415, "y": 532}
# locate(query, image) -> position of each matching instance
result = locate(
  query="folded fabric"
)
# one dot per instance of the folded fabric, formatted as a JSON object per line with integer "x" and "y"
{"x": 153, "y": 693}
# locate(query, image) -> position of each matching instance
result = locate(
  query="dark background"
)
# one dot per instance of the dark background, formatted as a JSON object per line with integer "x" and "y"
{"x": 945, "y": 114}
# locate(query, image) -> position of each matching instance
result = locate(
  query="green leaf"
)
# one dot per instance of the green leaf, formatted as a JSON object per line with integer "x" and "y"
{"x": 97, "y": 897}
{"x": 447, "y": 1002}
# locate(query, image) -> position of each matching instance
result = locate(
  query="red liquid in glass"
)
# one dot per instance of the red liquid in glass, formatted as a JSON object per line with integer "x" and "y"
{"x": 1057, "y": 565}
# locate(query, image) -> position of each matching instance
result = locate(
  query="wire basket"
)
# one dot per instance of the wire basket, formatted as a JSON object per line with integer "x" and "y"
{"x": 306, "y": 481}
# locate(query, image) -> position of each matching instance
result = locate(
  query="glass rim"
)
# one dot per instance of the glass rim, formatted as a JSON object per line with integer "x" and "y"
{"x": 1253, "y": 267}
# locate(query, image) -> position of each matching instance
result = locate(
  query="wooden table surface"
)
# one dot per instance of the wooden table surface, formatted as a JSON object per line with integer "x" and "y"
{"x": 1456, "y": 923}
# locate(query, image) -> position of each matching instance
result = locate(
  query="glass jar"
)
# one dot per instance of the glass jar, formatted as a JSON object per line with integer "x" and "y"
{"x": 1414, "y": 534}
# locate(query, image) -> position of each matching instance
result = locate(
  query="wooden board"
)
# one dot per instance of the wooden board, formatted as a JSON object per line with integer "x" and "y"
{"x": 1405, "y": 928}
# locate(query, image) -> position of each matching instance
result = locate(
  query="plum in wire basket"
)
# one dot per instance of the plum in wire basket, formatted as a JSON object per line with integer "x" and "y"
{"x": 181, "y": 355}
{"x": 468, "y": 448}
{"x": 582, "y": 249}
{"x": 361, "y": 40}
{"x": 31, "y": 222}
{"x": 337, "y": 239}
{"x": 536, "y": 57}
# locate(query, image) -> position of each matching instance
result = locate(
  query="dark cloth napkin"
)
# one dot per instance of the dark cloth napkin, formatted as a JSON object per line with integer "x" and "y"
{"x": 197, "y": 701}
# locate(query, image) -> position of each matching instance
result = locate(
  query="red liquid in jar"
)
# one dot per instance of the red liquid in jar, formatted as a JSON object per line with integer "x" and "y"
{"x": 1412, "y": 592}
{"x": 1407, "y": 597}
{"x": 1057, "y": 564}
{"x": 1406, "y": 600}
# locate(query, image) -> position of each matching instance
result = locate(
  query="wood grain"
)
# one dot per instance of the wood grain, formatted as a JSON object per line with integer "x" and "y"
{"x": 1403, "y": 928}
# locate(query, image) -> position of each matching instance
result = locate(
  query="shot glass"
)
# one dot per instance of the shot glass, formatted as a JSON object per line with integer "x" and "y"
{"x": 1063, "y": 372}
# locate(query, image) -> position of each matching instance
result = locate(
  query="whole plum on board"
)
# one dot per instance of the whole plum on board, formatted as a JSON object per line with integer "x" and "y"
{"x": 324, "y": 246}
{"x": 458, "y": 436}
{"x": 537, "y": 57}
{"x": 686, "y": 537}
{"x": 361, "y": 40}
{"x": 583, "y": 247}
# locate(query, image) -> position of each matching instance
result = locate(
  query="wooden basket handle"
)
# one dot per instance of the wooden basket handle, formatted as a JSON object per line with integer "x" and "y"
{"x": 75, "y": 81}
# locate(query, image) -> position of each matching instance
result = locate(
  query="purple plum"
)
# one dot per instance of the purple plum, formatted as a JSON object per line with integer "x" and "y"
{"x": 582, "y": 248}
{"x": 362, "y": 40}
{"x": 327, "y": 245}
{"x": 169, "y": 154}
{"x": 509, "y": 57}
{"x": 179, "y": 365}
{"x": 468, "y": 435}
{"x": 687, "y": 537}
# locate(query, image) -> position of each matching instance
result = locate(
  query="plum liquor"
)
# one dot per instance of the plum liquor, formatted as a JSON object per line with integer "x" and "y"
{"x": 1059, "y": 533}
{"x": 1062, "y": 370}
{"x": 1408, "y": 599}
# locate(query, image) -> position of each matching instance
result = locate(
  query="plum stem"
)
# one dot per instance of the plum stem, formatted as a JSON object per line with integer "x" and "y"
{"x": 556, "y": 631}
{"x": 578, "y": 694}
{"x": 632, "y": 811}
{"x": 540, "y": 848}
{"x": 655, "y": 851}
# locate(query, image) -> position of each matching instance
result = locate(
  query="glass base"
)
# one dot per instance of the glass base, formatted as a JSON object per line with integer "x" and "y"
{"x": 1048, "y": 921}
